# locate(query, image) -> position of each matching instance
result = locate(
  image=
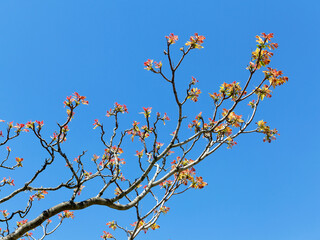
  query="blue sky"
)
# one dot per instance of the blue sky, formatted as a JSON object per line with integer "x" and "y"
{"x": 50, "y": 49}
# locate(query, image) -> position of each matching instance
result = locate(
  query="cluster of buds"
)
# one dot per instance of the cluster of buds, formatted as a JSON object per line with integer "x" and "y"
{"x": 166, "y": 184}
{"x": 269, "y": 133}
{"x": 275, "y": 77}
{"x": 232, "y": 90}
{"x": 111, "y": 152}
{"x": 188, "y": 176}
{"x": 75, "y": 100}
{"x": 230, "y": 142}
{"x": 146, "y": 112}
{"x": 19, "y": 162}
{"x": 172, "y": 38}
{"x": 198, "y": 183}
{"x": 66, "y": 214}
{"x": 139, "y": 154}
{"x": 148, "y": 64}
{"x": 39, "y": 195}
{"x": 4, "y": 213}
{"x": 164, "y": 209}
{"x": 112, "y": 225}
{"x": 22, "y": 222}
{"x": 135, "y": 131}
{"x": 117, "y": 191}
{"x": 261, "y": 56}
{"x": 193, "y": 81}
{"x": 65, "y": 129}
{"x": 158, "y": 146}
{"x": 193, "y": 94}
{"x": 263, "y": 92}
{"x": 196, "y": 123}
{"x": 31, "y": 124}
{"x": 8, "y": 181}
{"x": 215, "y": 96}
{"x": 146, "y": 132}
{"x": 96, "y": 124}
{"x": 196, "y": 41}
{"x": 107, "y": 235}
{"x": 87, "y": 174}
{"x": 223, "y": 130}
{"x": 164, "y": 118}
{"x": 118, "y": 108}
{"x": 233, "y": 119}
{"x": 19, "y": 127}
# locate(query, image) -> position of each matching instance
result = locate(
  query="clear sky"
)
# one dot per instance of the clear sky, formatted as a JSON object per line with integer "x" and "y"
{"x": 50, "y": 49}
